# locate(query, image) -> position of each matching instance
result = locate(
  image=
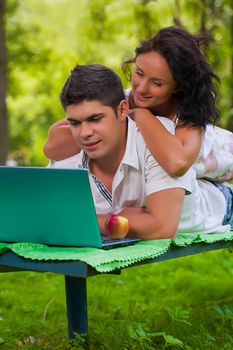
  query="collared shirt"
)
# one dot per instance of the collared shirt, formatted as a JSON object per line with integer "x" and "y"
{"x": 139, "y": 175}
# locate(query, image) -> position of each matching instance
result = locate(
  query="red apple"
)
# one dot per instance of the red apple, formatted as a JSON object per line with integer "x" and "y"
{"x": 116, "y": 226}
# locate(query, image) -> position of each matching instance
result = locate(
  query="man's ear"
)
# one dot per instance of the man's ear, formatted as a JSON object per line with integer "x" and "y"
{"x": 123, "y": 109}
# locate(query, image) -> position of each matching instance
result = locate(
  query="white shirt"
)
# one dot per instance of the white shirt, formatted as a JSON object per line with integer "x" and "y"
{"x": 139, "y": 175}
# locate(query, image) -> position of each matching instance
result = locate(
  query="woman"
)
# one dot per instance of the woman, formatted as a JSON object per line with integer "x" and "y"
{"x": 170, "y": 78}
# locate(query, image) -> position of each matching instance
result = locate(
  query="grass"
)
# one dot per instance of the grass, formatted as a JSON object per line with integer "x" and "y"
{"x": 185, "y": 303}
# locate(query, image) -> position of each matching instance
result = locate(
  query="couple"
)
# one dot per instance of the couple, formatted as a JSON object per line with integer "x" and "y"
{"x": 125, "y": 178}
{"x": 170, "y": 78}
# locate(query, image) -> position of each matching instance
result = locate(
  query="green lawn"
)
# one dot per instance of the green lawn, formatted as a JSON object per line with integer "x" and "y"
{"x": 185, "y": 303}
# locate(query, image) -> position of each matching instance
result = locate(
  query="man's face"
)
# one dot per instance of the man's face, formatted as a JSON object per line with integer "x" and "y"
{"x": 97, "y": 129}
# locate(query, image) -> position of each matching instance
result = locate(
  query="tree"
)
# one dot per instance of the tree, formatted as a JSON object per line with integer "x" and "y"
{"x": 45, "y": 39}
{"x": 3, "y": 88}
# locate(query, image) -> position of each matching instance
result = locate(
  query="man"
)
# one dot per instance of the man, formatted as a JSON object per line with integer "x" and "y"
{"x": 124, "y": 177}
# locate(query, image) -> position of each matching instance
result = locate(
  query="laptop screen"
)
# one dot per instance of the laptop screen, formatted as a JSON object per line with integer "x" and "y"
{"x": 46, "y": 205}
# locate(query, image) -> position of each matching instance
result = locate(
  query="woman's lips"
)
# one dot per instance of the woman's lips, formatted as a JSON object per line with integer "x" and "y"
{"x": 141, "y": 97}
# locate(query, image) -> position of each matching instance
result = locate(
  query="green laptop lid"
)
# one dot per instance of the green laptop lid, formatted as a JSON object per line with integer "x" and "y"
{"x": 46, "y": 205}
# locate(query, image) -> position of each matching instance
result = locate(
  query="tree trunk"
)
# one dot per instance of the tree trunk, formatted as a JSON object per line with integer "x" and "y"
{"x": 177, "y": 14}
{"x": 3, "y": 88}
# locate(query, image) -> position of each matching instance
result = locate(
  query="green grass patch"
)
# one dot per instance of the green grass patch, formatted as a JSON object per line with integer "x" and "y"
{"x": 185, "y": 303}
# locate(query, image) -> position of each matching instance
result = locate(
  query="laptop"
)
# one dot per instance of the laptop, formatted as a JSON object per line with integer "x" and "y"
{"x": 50, "y": 206}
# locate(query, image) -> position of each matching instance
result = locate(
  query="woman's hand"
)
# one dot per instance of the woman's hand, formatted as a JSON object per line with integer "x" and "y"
{"x": 137, "y": 113}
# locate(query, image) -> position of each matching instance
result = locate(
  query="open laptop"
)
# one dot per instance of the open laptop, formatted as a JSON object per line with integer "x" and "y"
{"x": 50, "y": 206}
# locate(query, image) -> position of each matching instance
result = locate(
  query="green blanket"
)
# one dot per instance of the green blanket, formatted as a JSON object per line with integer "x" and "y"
{"x": 109, "y": 260}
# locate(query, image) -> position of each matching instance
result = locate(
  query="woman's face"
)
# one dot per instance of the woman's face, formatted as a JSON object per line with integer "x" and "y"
{"x": 152, "y": 81}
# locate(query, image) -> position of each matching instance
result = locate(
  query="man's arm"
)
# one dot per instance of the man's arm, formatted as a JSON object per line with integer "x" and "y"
{"x": 162, "y": 217}
{"x": 159, "y": 220}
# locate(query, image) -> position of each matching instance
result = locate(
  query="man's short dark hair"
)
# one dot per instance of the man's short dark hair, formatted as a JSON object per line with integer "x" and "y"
{"x": 92, "y": 82}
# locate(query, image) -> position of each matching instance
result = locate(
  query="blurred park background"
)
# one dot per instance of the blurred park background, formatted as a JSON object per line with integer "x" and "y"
{"x": 181, "y": 304}
{"x": 40, "y": 41}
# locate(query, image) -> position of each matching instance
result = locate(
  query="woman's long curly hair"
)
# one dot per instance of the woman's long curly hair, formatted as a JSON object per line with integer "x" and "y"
{"x": 196, "y": 83}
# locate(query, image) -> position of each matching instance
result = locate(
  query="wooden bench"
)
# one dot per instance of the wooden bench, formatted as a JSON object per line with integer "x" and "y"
{"x": 77, "y": 272}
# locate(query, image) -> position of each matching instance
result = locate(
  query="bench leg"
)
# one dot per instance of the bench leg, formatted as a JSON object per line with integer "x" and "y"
{"x": 76, "y": 303}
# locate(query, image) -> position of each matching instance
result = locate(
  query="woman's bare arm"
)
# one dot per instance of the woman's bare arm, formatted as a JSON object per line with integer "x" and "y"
{"x": 175, "y": 153}
{"x": 60, "y": 143}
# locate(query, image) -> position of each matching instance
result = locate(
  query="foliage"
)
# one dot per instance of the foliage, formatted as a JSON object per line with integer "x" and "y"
{"x": 45, "y": 39}
{"x": 184, "y": 303}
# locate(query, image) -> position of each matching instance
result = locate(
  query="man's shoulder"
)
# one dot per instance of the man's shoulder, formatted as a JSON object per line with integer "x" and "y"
{"x": 138, "y": 139}
{"x": 71, "y": 162}
{"x": 135, "y": 140}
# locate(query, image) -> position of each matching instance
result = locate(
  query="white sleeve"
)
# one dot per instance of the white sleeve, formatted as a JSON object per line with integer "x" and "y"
{"x": 157, "y": 179}
{"x": 69, "y": 163}
{"x": 168, "y": 124}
